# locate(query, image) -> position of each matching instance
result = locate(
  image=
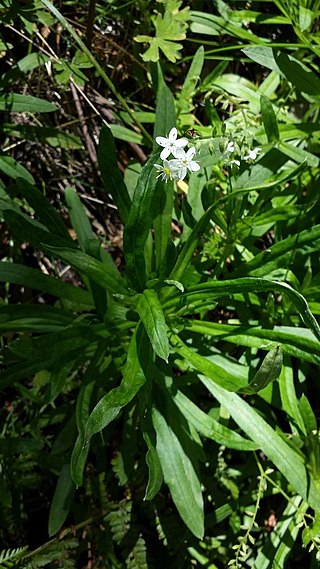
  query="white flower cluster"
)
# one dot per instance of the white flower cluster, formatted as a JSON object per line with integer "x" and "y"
{"x": 182, "y": 161}
{"x": 232, "y": 149}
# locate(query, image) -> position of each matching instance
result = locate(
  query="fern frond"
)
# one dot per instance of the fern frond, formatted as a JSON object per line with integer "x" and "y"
{"x": 137, "y": 558}
{"x": 9, "y": 557}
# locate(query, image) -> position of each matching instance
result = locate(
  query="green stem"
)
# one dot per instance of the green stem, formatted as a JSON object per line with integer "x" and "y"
{"x": 97, "y": 65}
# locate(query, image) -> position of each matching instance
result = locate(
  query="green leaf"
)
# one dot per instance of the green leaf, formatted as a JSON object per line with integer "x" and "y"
{"x": 168, "y": 27}
{"x": 80, "y": 451}
{"x": 79, "y": 218}
{"x": 95, "y": 270}
{"x": 138, "y": 225}
{"x": 59, "y": 375}
{"x": 307, "y": 414}
{"x": 209, "y": 427}
{"x": 278, "y": 255}
{"x": 10, "y": 167}
{"x": 47, "y": 135}
{"x": 299, "y": 75}
{"x": 134, "y": 376}
{"x": 287, "y": 460}
{"x": 268, "y": 372}
{"x": 111, "y": 176}
{"x": 306, "y": 17}
{"x": 184, "y": 103}
{"x": 61, "y": 501}
{"x": 151, "y": 314}
{"x": 155, "y": 471}
{"x": 165, "y": 114}
{"x": 288, "y": 395}
{"x": 179, "y": 475}
{"x": 269, "y": 119}
{"x": 15, "y": 103}
{"x": 162, "y": 225}
{"x": 47, "y": 214}
{"x": 33, "y": 317}
{"x": 215, "y": 289}
{"x": 215, "y": 370}
{"x": 27, "y": 229}
{"x": 263, "y": 55}
{"x": 35, "y": 279}
{"x": 297, "y": 342}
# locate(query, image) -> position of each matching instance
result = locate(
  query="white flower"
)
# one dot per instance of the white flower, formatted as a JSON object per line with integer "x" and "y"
{"x": 167, "y": 171}
{"x": 171, "y": 144}
{"x": 230, "y": 147}
{"x": 184, "y": 162}
{"x": 236, "y": 162}
{"x": 253, "y": 154}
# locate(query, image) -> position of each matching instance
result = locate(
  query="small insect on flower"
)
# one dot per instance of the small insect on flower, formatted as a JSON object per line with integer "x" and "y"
{"x": 184, "y": 162}
{"x": 171, "y": 144}
{"x": 167, "y": 171}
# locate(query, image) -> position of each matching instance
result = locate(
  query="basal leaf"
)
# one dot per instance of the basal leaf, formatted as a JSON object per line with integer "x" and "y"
{"x": 61, "y": 501}
{"x": 179, "y": 475}
{"x": 287, "y": 460}
{"x": 134, "y": 376}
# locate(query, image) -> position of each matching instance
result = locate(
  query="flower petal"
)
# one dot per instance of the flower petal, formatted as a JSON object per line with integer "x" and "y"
{"x": 182, "y": 172}
{"x": 173, "y": 134}
{"x": 165, "y": 153}
{"x": 190, "y": 153}
{"x": 179, "y": 153}
{"x": 162, "y": 141}
{"x": 181, "y": 142}
{"x": 194, "y": 166}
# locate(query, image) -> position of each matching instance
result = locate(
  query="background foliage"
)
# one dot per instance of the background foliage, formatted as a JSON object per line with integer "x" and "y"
{"x": 160, "y": 345}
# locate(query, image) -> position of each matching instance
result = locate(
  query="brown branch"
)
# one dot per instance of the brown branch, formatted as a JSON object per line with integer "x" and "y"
{"x": 85, "y": 131}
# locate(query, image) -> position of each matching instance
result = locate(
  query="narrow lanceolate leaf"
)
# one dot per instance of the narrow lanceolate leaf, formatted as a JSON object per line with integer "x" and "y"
{"x": 134, "y": 376}
{"x": 162, "y": 225}
{"x": 268, "y": 372}
{"x": 139, "y": 222}
{"x": 79, "y": 219}
{"x": 151, "y": 314}
{"x": 269, "y": 119}
{"x": 216, "y": 372}
{"x": 216, "y": 289}
{"x": 61, "y": 502}
{"x": 15, "y": 103}
{"x": 155, "y": 471}
{"x": 95, "y": 270}
{"x": 209, "y": 427}
{"x": 13, "y": 169}
{"x": 288, "y": 461}
{"x": 280, "y": 254}
{"x": 33, "y": 278}
{"x": 296, "y": 342}
{"x": 188, "y": 90}
{"x": 165, "y": 114}
{"x": 111, "y": 175}
{"x": 180, "y": 476}
{"x": 45, "y": 212}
